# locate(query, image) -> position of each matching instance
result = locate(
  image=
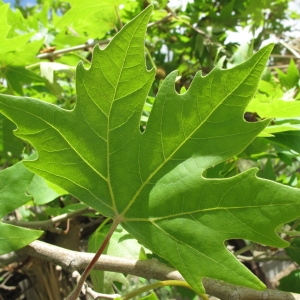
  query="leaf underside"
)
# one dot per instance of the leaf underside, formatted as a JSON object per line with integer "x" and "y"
{"x": 153, "y": 182}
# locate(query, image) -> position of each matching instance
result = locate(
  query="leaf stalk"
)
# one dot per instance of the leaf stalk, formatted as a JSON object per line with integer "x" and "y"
{"x": 75, "y": 293}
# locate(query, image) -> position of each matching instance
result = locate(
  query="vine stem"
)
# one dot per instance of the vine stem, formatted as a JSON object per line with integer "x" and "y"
{"x": 75, "y": 293}
{"x": 159, "y": 285}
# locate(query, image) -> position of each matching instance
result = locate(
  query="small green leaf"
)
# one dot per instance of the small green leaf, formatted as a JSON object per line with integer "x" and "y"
{"x": 291, "y": 78}
{"x": 267, "y": 172}
{"x": 293, "y": 251}
{"x": 290, "y": 283}
{"x": 284, "y": 127}
{"x": 41, "y": 192}
{"x": 244, "y": 52}
{"x": 16, "y": 76}
{"x": 14, "y": 182}
{"x": 275, "y": 108}
{"x": 9, "y": 44}
{"x": 10, "y": 145}
{"x": 288, "y": 139}
{"x": 94, "y": 19}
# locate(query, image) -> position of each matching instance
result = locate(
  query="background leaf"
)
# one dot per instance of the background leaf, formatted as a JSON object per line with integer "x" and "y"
{"x": 275, "y": 109}
{"x": 41, "y": 192}
{"x": 293, "y": 251}
{"x": 290, "y": 283}
{"x": 291, "y": 78}
{"x": 289, "y": 139}
{"x": 14, "y": 182}
{"x": 10, "y": 145}
{"x": 92, "y": 18}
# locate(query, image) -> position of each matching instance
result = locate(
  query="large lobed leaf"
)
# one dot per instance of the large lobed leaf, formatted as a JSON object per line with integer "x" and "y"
{"x": 153, "y": 182}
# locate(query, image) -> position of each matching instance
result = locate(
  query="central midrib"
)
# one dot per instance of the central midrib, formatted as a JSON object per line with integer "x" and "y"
{"x": 181, "y": 144}
{"x": 108, "y": 128}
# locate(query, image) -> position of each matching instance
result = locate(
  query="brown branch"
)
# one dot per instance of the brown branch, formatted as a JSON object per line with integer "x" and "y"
{"x": 102, "y": 43}
{"x": 73, "y": 260}
{"x": 48, "y": 224}
{"x": 178, "y": 18}
{"x": 76, "y": 292}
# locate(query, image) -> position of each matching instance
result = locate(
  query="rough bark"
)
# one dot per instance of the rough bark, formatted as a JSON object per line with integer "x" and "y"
{"x": 73, "y": 260}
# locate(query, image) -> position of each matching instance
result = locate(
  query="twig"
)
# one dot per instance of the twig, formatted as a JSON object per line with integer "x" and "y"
{"x": 97, "y": 295}
{"x": 71, "y": 49}
{"x": 48, "y": 224}
{"x": 73, "y": 260}
{"x": 102, "y": 43}
{"x": 75, "y": 293}
{"x": 284, "y": 56}
{"x": 5, "y": 278}
{"x": 118, "y": 16}
{"x": 290, "y": 48}
{"x": 87, "y": 290}
{"x": 243, "y": 250}
{"x": 243, "y": 258}
{"x": 163, "y": 20}
{"x": 178, "y": 18}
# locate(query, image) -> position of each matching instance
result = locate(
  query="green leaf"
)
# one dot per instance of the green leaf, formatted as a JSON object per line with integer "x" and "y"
{"x": 10, "y": 44}
{"x": 22, "y": 56}
{"x": 56, "y": 211}
{"x": 284, "y": 127}
{"x": 15, "y": 53}
{"x": 14, "y": 182}
{"x": 10, "y": 145}
{"x": 290, "y": 283}
{"x": 18, "y": 75}
{"x": 267, "y": 172}
{"x": 289, "y": 139}
{"x": 41, "y": 192}
{"x": 48, "y": 69}
{"x": 275, "y": 108}
{"x": 244, "y": 52}
{"x": 92, "y": 18}
{"x": 152, "y": 182}
{"x": 291, "y": 78}
{"x": 293, "y": 251}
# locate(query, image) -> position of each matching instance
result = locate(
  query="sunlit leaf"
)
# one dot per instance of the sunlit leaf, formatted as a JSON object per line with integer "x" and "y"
{"x": 275, "y": 109}
{"x": 152, "y": 182}
{"x": 14, "y": 182}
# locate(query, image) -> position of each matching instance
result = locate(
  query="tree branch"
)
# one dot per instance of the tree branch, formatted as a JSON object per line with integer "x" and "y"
{"x": 102, "y": 43}
{"x": 48, "y": 224}
{"x": 71, "y": 49}
{"x": 73, "y": 260}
